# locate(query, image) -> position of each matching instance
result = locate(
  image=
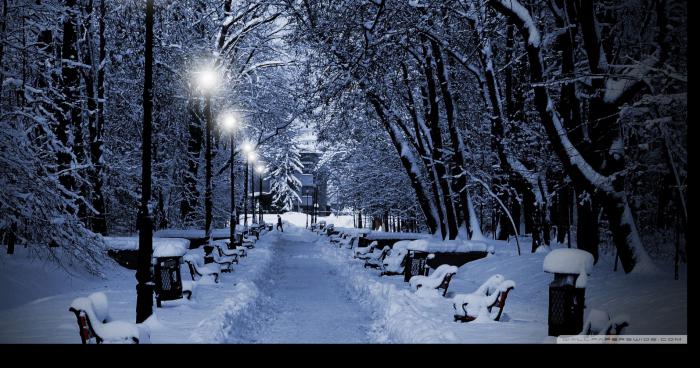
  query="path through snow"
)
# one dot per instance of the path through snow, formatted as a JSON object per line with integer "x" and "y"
{"x": 308, "y": 301}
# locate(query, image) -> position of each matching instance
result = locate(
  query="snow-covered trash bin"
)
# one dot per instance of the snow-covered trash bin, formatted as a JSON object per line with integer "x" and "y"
{"x": 167, "y": 258}
{"x": 567, "y": 291}
{"x": 416, "y": 265}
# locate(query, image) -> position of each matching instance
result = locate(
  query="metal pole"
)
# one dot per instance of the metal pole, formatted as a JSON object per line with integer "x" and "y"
{"x": 307, "y": 208}
{"x": 208, "y": 169}
{"x": 259, "y": 197}
{"x": 144, "y": 286}
{"x": 254, "y": 219}
{"x": 233, "y": 219}
{"x": 245, "y": 198}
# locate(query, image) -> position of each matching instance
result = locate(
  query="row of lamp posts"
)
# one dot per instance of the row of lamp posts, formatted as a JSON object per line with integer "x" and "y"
{"x": 207, "y": 83}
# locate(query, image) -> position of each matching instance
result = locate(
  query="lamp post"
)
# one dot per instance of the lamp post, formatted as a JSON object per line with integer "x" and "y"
{"x": 248, "y": 150}
{"x": 230, "y": 124}
{"x": 307, "y": 208}
{"x": 251, "y": 160}
{"x": 315, "y": 205}
{"x": 144, "y": 286}
{"x": 207, "y": 80}
{"x": 261, "y": 170}
{"x": 249, "y": 167}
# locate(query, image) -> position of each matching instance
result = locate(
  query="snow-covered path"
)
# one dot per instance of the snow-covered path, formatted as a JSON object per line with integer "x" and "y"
{"x": 308, "y": 301}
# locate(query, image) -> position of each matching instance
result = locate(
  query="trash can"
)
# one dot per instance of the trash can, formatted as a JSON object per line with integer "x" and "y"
{"x": 415, "y": 265}
{"x": 167, "y": 278}
{"x": 566, "y": 303}
{"x": 567, "y": 291}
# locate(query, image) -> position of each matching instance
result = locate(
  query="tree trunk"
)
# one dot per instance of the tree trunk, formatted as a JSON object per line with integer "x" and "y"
{"x": 407, "y": 161}
{"x": 629, "y": 246}
{"x": 194, "y": 149}
{"x": 439, "y": 158}
{"x": 70, "y": 113}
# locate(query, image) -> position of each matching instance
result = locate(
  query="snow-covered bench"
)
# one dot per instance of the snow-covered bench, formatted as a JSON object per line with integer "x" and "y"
{"x": 395, "y": 261}
{"x": 439, "y": 279}
{"x": 480, "y": 304}
{"x": 601, "y": 323}
{"x": 226, "y": 255}
{"x": 363, "y": 252}
{"x": 95, "y": 323}
{"x": 196, "y": 265}
{"x": 237, "y": 245}
{"x": 376, "y": 260}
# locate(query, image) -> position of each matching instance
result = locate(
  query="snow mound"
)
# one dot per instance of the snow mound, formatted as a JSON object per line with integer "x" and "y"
{"x": 132, "y": 243}
{"x": 478, "y": 304}
{"x": 111, "y": 331}
{"x": 435, "y": 279}
{"x": 447, "y": 246}
{"x": 568, "y": 261}
{"x": 171, "y": 247}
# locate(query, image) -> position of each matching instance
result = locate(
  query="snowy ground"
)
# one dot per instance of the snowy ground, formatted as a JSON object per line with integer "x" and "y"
{"x": 35, "y": 297}
{"x": 294, "y": 287}
{"x": 307, "y": 301}
{"x": 657, "y": 304}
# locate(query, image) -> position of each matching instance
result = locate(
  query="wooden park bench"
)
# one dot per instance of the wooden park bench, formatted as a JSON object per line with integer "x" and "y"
{"x": 237, "y": 244}
{"x": 226, "y": 263}
{"x": 226, "y": 255}
{"x": 378, "y": 260}
{"x": 479, "y": 304}
{"x": 363, "y": 253}
{"x": 198, "y": 268}
{"x": 440, "y": 279}
{"x": 395, "y": 261}
{"x": 95, "y": 323}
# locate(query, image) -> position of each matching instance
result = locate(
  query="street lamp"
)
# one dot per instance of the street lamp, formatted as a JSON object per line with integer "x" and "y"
{"x": 230, "y": 124}
{"x": 261, "y": 170}
{"x": 251, "y": 160}
{"x": 144, "y": 286}
{"x": 249, "y": 154}
{"x": 207, "y": 80}
{"x": 307, "y": 208}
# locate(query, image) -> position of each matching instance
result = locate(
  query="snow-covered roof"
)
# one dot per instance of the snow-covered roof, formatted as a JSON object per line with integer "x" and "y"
{"x": 568, "y": 261}
{"x": 447, "y": 246}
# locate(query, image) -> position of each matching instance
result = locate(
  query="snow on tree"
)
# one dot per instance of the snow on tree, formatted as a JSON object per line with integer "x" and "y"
{"x": 285, "y": 164}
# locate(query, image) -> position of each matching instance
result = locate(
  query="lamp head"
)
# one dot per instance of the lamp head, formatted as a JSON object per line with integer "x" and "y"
{"x": 229, "y": 122}
{"x": 207, "y": 80}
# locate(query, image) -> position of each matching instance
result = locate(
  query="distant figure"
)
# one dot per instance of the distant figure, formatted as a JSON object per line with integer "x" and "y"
{"x": 279, "y": 223}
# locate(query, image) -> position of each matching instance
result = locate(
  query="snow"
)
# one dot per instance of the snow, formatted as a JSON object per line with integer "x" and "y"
{"x": 294, "y": 287}
{"x": 191, "y": 233}
{"x": 379, "y": 235}
{"x": 433, "y": 280}
{"x": 171, "y": 247}
{"x": 132, "y": 243}
{"x": 111, "y": 331}
{"x": 392, "y": 262}
{"x": 447, "y": 246}
{"x": 524, "y": 15}
{"x": 35, "y": 297}
{"x": 403, "y": 316}
{"x": 568, "y": 261}
{"x": 476, "y": 304}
